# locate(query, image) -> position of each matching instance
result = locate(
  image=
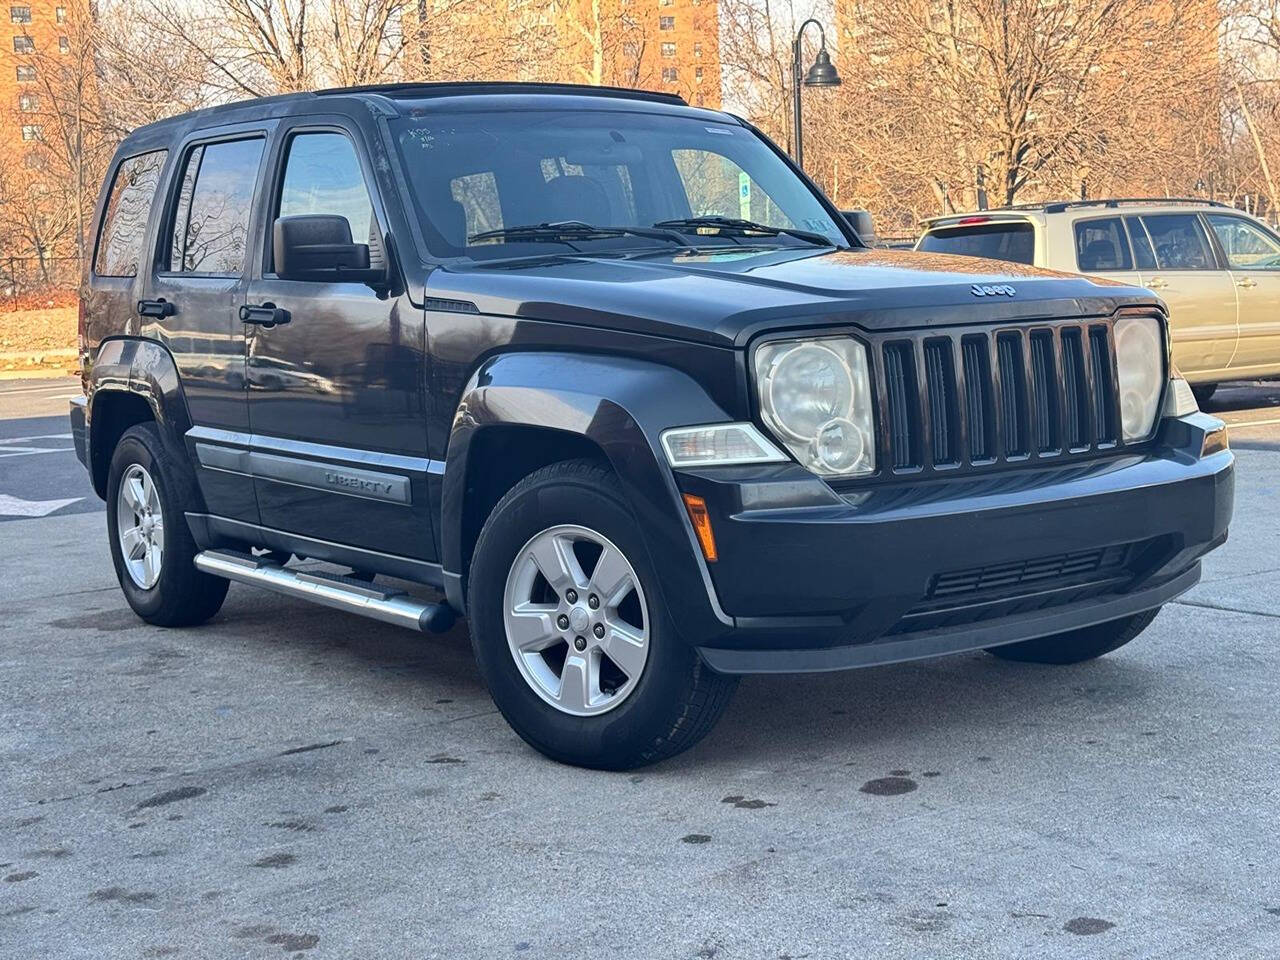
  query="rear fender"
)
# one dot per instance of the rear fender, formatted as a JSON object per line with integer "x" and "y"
{"x": 141, "y": 369}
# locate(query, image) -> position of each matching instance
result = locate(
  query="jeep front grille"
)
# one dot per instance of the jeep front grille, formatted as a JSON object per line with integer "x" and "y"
{"x": 971, "y": 399}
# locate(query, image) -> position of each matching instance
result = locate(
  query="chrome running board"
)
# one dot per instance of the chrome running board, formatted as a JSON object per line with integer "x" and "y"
{"x": 331, "y": 590}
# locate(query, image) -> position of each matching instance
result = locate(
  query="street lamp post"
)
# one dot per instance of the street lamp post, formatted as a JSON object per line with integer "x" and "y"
{"x": 821, "y": 74}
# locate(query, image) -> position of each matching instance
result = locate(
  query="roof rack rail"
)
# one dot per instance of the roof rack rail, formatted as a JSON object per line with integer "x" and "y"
{"x": 1114, "y": 202}
{"x": 445, "y": 89}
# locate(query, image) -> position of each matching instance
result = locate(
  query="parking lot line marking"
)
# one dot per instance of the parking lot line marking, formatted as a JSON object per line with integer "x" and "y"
{"x": 41, "y": 436}
{"x": 1252, "y": 423}
{"x": 17, "y": 507}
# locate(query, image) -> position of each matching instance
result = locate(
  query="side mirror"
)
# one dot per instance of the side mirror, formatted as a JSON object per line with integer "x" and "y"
{"x": 862, "y": 225}
{"x": 318, "y": 247}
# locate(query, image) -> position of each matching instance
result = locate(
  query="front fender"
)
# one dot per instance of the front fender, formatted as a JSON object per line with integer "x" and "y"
{"x": 621, "y": 406}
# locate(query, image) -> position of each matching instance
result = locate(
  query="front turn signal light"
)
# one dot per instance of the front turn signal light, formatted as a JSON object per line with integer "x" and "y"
{"x": 701, "y": 520}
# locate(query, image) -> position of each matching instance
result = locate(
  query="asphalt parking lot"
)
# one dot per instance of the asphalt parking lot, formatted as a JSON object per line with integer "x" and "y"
{"x": 290, "y": 781}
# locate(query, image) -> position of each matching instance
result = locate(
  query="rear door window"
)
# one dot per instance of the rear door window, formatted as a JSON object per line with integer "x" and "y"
{"x": 211, "y": 228}
{"x": 1179, "y": 241}
{"x": 1013, "y": 240}
{"x": 1101, "y": 245}
{"x": 123, "y": 234}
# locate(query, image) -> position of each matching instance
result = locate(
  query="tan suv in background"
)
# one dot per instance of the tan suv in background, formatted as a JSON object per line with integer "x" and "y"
{"x": 1217, "y": 268}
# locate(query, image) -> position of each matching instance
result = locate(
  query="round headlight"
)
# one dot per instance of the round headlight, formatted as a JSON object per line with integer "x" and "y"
{"x": 1140, "y": 365}
{"x": 815, "y": 396}
{"x": 808, "y": 386}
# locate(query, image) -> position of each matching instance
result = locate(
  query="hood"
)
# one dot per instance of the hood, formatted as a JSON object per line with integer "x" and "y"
{"x": 726, "y": 297}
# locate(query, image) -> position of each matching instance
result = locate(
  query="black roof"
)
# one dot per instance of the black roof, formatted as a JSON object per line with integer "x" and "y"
{"x": 423, "y": 91}
{"x": 387, "y": 98}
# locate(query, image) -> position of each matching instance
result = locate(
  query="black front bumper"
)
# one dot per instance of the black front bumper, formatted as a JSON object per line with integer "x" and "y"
{"x": 811, "y": 580}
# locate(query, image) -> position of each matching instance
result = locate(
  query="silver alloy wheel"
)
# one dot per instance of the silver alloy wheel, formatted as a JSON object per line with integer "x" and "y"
{"x": 580, "y": 640}
{"x": 140, "y": 526}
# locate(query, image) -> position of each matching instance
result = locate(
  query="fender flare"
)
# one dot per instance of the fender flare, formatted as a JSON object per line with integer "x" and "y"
{"x": 621, "y": 405}
{"x": 146, "y": 369}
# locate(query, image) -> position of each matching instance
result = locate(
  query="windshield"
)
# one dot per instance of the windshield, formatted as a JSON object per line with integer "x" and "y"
{"x": 1003, "y": 240}
{"x": 481, "y": 173}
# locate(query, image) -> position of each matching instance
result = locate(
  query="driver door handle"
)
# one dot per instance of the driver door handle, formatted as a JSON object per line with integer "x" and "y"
{"x": 158, "y": 308}
{"x": 264, "y": 315}
{"x": 1155, "y": 283}
{"x": 1247, "y": 282}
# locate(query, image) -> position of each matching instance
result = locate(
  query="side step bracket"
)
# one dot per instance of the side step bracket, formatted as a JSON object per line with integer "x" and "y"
{"x": 332, "y": 590}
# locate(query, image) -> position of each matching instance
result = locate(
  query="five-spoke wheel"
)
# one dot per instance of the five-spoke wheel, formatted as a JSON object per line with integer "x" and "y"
{"x": 570, "y": 632}
{"x": 140, "y": 526}
{"x": 580, "y": 639}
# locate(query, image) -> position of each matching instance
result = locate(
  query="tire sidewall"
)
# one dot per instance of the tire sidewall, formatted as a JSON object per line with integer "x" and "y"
{"x": 138, "y": 446}
{"x": 651, "y": 708}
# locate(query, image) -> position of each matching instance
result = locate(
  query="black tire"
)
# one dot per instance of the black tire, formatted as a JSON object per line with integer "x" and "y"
{"x": 677, "y": 698}
{"x": 1076, "y": 646}
{"x": 182, "y": 596}
{"x": 1203, "y": 391}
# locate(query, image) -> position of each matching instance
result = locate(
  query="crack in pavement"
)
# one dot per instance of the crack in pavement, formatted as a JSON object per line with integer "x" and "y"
{"x": 1225, "y": 609}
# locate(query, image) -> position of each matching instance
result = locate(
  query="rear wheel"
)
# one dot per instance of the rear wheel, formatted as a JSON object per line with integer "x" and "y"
{"x": 570, "y": 635}
{"x": 151, "y": 545}
{"x": 1203, "y": 391}
{"x": 1076, "y": 646}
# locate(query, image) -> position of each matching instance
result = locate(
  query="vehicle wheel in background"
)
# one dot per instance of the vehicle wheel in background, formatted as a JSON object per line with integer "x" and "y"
{"x": 1203, "y": 391}
{"x": 570, "y": 634}
{"x": 151, "y": 545}
{"x": 1076, "y": 646}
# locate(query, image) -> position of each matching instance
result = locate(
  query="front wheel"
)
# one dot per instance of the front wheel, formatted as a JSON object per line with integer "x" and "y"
{"x": 1076, "y": 646}
{"x": 570, "y": 634}
{"x": 151, "y": 545}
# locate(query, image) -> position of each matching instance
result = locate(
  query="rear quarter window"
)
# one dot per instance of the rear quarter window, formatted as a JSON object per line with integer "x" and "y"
{"x": 1013, "y": 240}
{"x": 1102, "y": 245}
{"x": 122, "y": 235}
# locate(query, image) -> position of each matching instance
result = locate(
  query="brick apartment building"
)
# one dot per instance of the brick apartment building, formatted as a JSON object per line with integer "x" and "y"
{"x": 671, "y": 45}
{"x": 31, "y": 27}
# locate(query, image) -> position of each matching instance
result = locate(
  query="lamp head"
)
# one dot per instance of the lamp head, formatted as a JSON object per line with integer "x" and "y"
{"x": 823, "y": 72}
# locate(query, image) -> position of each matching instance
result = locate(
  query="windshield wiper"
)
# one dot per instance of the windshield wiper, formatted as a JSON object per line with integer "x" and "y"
{"x": 731, "y": 226}
{"x": 565, "y": 231}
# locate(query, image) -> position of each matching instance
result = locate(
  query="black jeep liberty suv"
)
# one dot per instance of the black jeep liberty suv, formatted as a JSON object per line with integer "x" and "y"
{"x": 616, "y": 380}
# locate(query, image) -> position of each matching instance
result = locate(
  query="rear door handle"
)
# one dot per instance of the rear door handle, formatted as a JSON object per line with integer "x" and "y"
{"x": 1247, "y": 283}
{"x": 160, "y": 307}
{"x": 1155, "y": 283}
{"x": 266, "y": 315}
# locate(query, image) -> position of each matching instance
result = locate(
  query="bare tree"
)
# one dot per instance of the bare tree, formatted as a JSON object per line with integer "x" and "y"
{"x": 64, "y": 164}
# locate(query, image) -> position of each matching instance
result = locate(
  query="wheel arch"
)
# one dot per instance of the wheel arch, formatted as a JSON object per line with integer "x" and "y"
{"x": 523, "y": 411}
{"x": 133, "y": 380}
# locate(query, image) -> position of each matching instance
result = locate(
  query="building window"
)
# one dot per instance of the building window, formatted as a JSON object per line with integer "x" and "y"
{"x": 23, "y": 44}
{"x": 64, "y": 45}
{"x": 60, "y": 14}
{"x": 668, "y": 49}
{"x": 665, "y": 3}
{"x": 28, "y": 103}
{"x": 668, "y": 74}
{"x": 631, "y": 49}
{"x": 666, "y": 23}
{"x": 32, "y": 131}
{"x": 697, "y": 74}
{"x": 19, "y": 14}
{"x": 697, "y": 49}
{"x": 26, "y": 74}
